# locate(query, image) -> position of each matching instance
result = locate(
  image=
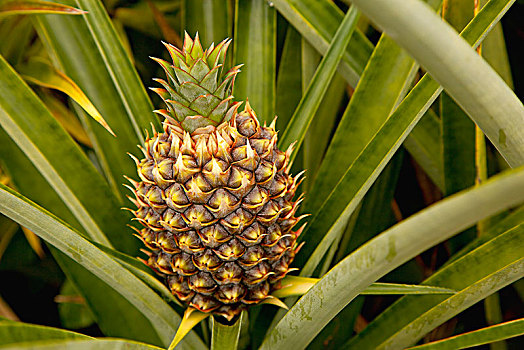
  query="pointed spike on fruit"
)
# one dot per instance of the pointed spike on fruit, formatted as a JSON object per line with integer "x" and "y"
{"x": 300, "y": 230}
{"x": 270, "y": 299}
{"x": 137, "y": 162}
{"x": 188, "y": 43}
{"x": 173, "y": 52}
{"x": 191, "y": 318}
{"x": 273, "y": 123}
{"x": 247, "y": 107}
{"x": 130, "y": 180}
{"x": 299, "y": 247}
{"x": 221, "y": 57}
{"x": 196, "y": 50}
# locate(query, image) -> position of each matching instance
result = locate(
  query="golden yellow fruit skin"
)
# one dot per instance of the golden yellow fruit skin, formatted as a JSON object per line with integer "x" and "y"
{"x": 218, "y": 211}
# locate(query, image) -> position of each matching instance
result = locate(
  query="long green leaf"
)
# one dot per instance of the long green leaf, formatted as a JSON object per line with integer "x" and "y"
{"x": 388, "y": 251}
{"x": 114, "y": 314}
{"x": 380, "y": 88}
{"x": 477, "y": 88}
{"x": 108, "y": 80}
{"x": 119, "y": 65}
{"x": 69, "y": 242}
{"x": 28, "y": 7}
{"x": 479, "y": 337}
{"x": 40, "y": 72}
{"x": 95, "y": 344}
{"x": 210, "y": 18}
{"x": 424, "y": 144}
{"x": 18, "y": 332}
{"x": 461, "y": 275}
{"x": 289, "y": 80}
{"x": 332, "y": 216}
{"x": 318, "y": 21}
{"x": 311, "y": 99}
{"x": 60, "y": 161}
{"x": 255, "y": 47}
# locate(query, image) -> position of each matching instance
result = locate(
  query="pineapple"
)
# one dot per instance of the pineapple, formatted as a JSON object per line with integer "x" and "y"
{"x": 215, "y": 196}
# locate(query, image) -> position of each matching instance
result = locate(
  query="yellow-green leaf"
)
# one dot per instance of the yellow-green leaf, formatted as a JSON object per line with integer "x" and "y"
{"x": 34, "y": 7}
{"x": 40, "y": 72}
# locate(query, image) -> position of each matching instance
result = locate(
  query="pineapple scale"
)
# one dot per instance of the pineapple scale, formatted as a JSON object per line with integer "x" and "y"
{"x": 218, "y": 211}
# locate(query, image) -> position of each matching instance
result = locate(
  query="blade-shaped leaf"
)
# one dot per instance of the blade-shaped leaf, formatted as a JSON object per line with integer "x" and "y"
{"x": 318, "y": 21}
{"x": 60, "y": 161}
{"x": 18, "y": 332}
{"x": 424, "y": 144}
{"x": 479, "y": 337}
{"x": 255, "y": 47}
{"x": 294, "y": 285}
{"x": 311, "y": 99}
{"x": 348, "y": 193}
{"x": 389, "y": 250}
{"x": 476, "y": 87}
{"x": 95, "y": 344}
{"x": 114, "y": 314}
{"x": 69, "y": 242}
{"x": 210, "y": 18}
{"x": 109, "y": 81}
{"x": 381, "y": 86}
{"x": 39, "y": 72}
{"x": 27, "y": 7}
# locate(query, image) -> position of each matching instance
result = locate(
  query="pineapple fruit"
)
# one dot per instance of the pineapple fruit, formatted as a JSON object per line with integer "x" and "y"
{"x": 215, "y": 196}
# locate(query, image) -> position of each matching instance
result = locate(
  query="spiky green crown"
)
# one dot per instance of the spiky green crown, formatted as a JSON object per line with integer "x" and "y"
{"x": 197, "y": 94}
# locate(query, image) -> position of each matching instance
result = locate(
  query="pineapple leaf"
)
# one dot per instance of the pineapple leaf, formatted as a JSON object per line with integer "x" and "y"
{"x": 466, "y": 76}
{"x": 28, "y": 7}
{"x": 49, "y": 147}
{"x": 296, "y": 285}
{"x": 378, "y": 152}
{"x": 311, "y": 99}
{"x": 397, "y": 245}
{"x": 317, "y": 21}
{"x": 40, "y": 72}
{"x": 72, "y": 244}
{"x": 256, "y": 48}
{"x": 17, "y": 332}
{"x": 191, "y": 318}
{"x": 478, "y": 337}
{"x": 369, "y": 107}
{"x": 470, "y": 275}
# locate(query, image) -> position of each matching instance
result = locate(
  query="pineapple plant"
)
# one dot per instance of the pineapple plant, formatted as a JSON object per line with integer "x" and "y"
{"x": 215, "y": 196}
{"x": 415, "y": 220}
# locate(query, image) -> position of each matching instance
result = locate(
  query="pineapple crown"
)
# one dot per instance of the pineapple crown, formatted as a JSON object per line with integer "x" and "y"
{"x": 197, "y": 92}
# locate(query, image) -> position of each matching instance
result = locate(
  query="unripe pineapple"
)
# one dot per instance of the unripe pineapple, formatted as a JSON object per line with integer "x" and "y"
{"x": 215, "y": 196}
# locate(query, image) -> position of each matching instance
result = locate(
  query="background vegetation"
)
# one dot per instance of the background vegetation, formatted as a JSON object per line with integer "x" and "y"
{"x": 388, "y": 155}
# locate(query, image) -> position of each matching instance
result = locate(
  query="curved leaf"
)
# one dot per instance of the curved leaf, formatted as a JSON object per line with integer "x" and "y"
{"x": 332, "y": 216}
{"x": 388, "y": 251}
{"x": 60, "y": 161}
{"x": 18, "y": 332}
{"x": 255, "y": 47}
{"x": 318, "y": 21}
{"x": 465, "y": 275}
{"x": 308, "y": 105}
{"x": 472, "y": 83}
{"x": 69, "y": 242}
{"x": 479, "y": 337}
{"x": 27, "y": 7}
{"x": 39, "y": 72}
{"x": 95, "y": 344}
